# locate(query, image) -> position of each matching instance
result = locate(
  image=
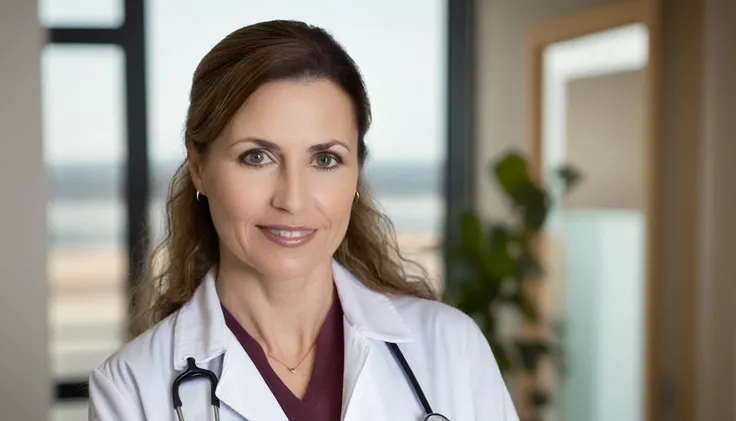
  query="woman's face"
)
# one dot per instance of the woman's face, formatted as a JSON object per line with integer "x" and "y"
{"x": 282, "y": 177}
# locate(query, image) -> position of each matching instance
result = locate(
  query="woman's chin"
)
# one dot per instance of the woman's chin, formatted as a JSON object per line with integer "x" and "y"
{"x": 288, "y": 268}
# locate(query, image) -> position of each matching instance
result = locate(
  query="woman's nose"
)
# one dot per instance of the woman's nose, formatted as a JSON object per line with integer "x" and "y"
{"x": 290, "y": 192}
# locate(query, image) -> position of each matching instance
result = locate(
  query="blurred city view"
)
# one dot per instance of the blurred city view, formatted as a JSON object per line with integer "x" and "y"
{"x": 85, "y": 199}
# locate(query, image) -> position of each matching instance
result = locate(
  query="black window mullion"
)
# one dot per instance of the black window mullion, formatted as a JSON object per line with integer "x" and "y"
{"x": 67, "y": 391}
{"x": 85, "y": 36}
{"x": 137, "y": 169}
{"x": 460, "y": 161}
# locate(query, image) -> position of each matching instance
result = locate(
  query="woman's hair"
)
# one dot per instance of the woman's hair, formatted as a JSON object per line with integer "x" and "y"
{"x": 225, "y": 78}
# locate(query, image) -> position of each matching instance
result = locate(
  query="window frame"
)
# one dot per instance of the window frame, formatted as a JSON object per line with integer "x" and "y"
{"x": 130, "y": 37}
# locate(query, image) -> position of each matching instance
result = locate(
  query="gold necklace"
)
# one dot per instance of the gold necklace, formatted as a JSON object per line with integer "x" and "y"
{"x": 293, "y": 369}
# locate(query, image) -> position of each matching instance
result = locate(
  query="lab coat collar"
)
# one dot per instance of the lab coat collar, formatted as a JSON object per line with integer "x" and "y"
{"x": 373, "y": 314}
{"x": 200, "y": 330}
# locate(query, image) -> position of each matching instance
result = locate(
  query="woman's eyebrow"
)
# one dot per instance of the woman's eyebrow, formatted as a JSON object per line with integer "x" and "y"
{"x": 327, "y": 145}
{"x": 269, "y": 145}
{"x": 265, "y": 144}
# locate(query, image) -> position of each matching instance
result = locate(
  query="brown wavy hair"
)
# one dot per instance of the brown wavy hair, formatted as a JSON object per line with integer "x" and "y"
{"x": 235, "y": 68}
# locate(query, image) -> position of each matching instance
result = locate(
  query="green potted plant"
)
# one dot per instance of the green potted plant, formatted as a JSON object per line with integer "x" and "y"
{"x": 493, "y": 263}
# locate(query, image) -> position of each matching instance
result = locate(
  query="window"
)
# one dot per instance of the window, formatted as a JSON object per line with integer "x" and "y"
{"x": 401, "y": 50}
{"x": 84, "y": 140}
{"x": 74, "y": 13}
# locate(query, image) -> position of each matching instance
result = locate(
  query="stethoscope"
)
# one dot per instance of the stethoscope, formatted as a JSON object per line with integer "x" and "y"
{"x": 193, "y": 372}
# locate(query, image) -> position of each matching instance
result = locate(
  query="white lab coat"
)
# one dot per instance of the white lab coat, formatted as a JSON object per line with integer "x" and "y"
{"x": 447, "y": 352}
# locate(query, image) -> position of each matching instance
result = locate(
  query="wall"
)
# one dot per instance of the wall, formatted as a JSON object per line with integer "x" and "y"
{"x": 605, "y": 139}
{"x": 718, "y": 312}
{"x": 501, "y": 82}
{"x": 25, "y": 390}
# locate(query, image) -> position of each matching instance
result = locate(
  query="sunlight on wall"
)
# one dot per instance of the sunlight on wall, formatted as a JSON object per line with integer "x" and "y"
{"x": 613, "y": 51}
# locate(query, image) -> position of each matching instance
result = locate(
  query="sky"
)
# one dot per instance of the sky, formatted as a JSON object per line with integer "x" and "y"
{"x": 400, "y": 47}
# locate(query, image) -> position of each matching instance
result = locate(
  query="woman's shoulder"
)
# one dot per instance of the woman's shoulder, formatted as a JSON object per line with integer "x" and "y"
{"x": 435, "y": 320}
{"x": 139, "y": 372}
{"x": 151, "y": 349}
{"x": 460, "y": 353}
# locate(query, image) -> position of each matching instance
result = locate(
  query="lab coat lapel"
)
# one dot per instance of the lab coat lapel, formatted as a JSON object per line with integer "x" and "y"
{"x": 243, "y": 389}
{"x": 357, "y": 349}
{"x": 201, "y": 333}
{"x": 370, "y": 320}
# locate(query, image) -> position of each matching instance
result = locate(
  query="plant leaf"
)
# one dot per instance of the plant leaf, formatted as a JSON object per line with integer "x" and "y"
{"x": 471, "y": 233}
{"x": 511, "y": 173}
{"x": 526, "y": 306}
{"x": 539, "y": 398}
{"x": 499, "y": 264}
{"x": 531, "y": 352}
{"x": 534, "y": 205}
{"x": 471, "y": 299}
{"x": 501, "y": 355}
{"x": 569, "y": 175}
{"x": 527, "y": 266}
{"x": 500, "y": 236}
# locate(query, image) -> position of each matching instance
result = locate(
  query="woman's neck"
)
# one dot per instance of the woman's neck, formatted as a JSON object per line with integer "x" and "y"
{"x": 283, "y": 315}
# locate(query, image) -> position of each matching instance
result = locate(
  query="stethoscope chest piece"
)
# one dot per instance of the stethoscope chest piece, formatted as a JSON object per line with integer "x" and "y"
{"x": 193, "y": 372}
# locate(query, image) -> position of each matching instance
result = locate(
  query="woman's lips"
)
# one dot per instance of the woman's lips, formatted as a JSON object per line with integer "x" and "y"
{"x": 288, "y": 236}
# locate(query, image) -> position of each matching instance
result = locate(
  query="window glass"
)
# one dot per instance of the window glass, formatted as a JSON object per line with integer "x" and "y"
{"x": 83, "y": 118}
{"x": 70, "y": 411}
{"x": 81, "y": 13}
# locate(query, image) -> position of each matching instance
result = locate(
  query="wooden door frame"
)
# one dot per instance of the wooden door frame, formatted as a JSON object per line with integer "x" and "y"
{"x": 587, "y": 21}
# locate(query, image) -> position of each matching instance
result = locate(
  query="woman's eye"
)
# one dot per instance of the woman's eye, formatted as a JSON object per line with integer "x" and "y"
{"x": 256, "y": 158}
{"x": 326, "y": 161}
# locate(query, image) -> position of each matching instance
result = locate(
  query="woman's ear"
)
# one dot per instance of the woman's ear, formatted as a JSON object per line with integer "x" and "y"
{"x": 194, "y": 161}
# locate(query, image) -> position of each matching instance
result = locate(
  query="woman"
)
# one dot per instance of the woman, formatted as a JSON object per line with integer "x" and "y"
{"x": 278, "y": 275}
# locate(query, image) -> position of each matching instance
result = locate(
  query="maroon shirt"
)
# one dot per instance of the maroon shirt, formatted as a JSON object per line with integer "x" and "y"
{"x": 323, "y": 398}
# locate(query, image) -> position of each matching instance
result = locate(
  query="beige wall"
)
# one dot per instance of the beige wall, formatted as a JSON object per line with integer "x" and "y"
{"x": 718, "y": 307}
{"x": 25, "y": 390}
{"x": 605, "y": 140}
{"x": 502, "y": 91}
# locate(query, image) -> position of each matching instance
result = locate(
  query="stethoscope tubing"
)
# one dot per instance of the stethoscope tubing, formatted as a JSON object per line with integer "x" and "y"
{"x": 180, "y": 415}
{"x": 411, "y": 377}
